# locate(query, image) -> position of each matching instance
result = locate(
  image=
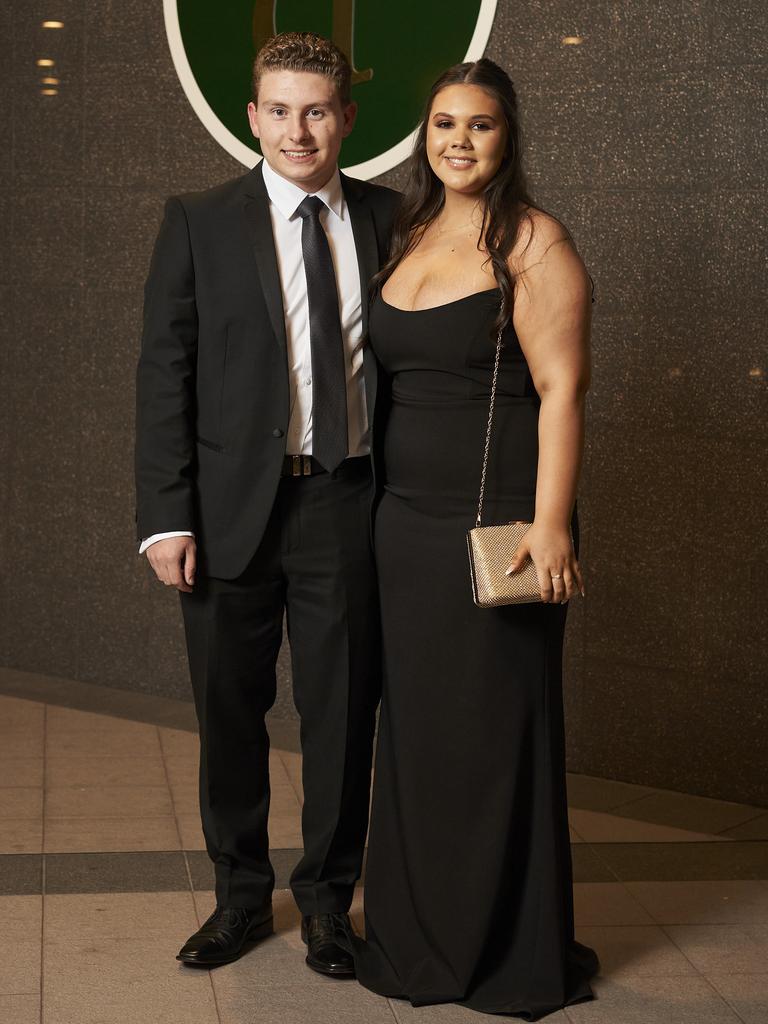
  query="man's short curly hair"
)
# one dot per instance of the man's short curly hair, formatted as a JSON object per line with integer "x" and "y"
{"x": 303, "y": 51}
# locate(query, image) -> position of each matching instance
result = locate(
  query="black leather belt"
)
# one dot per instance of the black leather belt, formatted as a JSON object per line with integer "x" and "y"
{"x": 301, "y": 465}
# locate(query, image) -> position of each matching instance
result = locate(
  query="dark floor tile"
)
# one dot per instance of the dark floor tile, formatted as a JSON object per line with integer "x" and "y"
{"x": 283, "y": 861}
{"x": 21, "y": 874}
{"x": 200, "y": 870}
{"x": 667, "y": 862}
{"x": 115, "y": 872}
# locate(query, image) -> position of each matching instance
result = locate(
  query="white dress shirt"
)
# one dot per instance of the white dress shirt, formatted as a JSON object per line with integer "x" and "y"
{"x": 284, "y": 200}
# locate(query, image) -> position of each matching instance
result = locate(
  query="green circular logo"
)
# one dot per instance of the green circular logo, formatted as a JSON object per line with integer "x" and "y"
{"x": 397, "y": 49}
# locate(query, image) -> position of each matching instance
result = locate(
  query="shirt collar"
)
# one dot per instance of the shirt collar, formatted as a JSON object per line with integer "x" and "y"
{"x": 287, "y": 197}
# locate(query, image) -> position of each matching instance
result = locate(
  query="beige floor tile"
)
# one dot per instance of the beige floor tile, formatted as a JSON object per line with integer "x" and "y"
{"x": 283, "y": 803}
{"x": 22, "y": 917}
{"x": 104, "y": 835}
{"x": 21, "y": 802}
{"x": 60, "y": 719}
{"x": 67, "y": 721}
{"x": 597, "y": 827}
{"x": 16, "y": 743}
{"x": 185, "y": 797}
{"x": 746, "y": 993}
{"x": 682, "y": 810}
{"x": 685, "y": 999}
{"x": 723, "y": 948}
{"x": 104, "y": 771}
{"x": 702, "y": 902}
{"x": 640, "y": 951}
{"x": 108, "y": 801}
{"x": 292, "y": 764}
{"x": 191, "y": 831}
{"x": 16, "y": 713}
{"x": 179, "y": 743}
{"x": 21, "y": 771}
{"x": 450, "y": 1013}
{"x": 285, "y": 831}
{"x": 140, "y": 741}
{"x": 20, "y": 967}
{"x": 160, "y": 917}
{"x": 20, "y": 1009}
{"x": 23, "y": 835}
{"x": 182, "y": 771}
{"x": 122, "y": 980}
{"x": 306, "y": 997}
{"x": 607, "y": 903}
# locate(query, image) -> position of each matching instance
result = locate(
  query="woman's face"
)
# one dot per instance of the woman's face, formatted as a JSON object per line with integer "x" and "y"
{"x": 466, "y": 136}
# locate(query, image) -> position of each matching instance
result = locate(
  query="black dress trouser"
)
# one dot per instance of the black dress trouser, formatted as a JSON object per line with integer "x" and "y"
{"x": 315, "y": 564}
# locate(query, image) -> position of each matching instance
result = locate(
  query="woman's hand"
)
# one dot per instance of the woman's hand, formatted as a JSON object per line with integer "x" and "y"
{"x": 555, "y": 560}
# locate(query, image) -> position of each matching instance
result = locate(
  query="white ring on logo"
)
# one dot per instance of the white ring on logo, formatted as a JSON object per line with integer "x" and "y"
{"x": 368, "y": 168}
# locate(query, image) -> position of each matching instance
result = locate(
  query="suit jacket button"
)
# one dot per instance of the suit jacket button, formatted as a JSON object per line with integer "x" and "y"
{"x": 277, "y": 432}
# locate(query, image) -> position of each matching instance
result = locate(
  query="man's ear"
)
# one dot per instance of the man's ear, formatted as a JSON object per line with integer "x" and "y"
{"x": 252, "y": 120}
{"x": 350, "y": 115}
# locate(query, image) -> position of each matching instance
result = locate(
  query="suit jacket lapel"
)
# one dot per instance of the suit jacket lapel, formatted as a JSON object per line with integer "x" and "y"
{"x": 259, "y": 223}
{"x": 366, "y": 245}
{"x": 364, "y": 232}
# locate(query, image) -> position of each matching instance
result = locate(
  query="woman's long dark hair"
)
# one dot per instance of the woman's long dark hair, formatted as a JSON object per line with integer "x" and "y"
{"x": 507, "y": 200}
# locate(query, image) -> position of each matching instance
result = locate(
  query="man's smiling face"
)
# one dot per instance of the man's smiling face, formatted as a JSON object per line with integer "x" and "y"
{"x": 300, "y": 121}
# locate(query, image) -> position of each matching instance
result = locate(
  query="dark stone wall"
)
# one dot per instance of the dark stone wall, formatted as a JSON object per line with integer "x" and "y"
{"x": 648, "y": 140}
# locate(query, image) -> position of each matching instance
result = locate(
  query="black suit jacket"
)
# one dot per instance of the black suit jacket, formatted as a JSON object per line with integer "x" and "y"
{"x": 212, "y": 382}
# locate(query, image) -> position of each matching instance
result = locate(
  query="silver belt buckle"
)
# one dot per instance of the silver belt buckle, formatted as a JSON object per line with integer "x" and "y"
{"x": 301, "y": 465}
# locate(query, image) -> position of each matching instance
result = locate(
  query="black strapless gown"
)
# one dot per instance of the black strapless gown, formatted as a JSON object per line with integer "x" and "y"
{"x": 468, "y": 893}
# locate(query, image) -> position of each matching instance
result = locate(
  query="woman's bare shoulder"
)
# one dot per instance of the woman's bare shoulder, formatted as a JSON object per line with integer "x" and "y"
{"x": 538, "y": 232}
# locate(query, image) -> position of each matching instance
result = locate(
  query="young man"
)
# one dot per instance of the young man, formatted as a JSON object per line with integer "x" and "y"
{"x": 255, "y": 402}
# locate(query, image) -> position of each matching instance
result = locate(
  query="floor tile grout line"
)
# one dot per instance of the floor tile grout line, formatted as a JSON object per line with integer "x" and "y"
{"x": 169, "y": 790}
{"x": 736, "y": 1015}
{"x": 392, "y": 1010}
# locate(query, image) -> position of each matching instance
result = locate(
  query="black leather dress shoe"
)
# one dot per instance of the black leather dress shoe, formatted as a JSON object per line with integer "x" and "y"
{"x": 223, "y": 936}
{"x": 321, "y": 932}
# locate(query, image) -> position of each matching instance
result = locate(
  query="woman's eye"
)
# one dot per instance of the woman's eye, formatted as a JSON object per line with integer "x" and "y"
{"x": 481, "y": 124}
{"x": 443, "y": 124}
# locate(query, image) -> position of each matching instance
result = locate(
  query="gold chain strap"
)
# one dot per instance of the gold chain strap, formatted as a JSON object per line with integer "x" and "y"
{"x": 488, "y": 431}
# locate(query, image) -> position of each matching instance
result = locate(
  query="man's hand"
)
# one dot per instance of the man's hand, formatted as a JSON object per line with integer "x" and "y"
{"x": 174, "y": 561}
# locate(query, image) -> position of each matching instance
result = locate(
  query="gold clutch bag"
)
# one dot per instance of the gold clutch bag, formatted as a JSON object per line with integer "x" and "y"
{"x": 490, "y": 552}
{"x": 491, "y": 547}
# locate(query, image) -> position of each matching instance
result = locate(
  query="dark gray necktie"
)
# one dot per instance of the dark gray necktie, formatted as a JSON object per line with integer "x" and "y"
{"x": 329, "y": 380}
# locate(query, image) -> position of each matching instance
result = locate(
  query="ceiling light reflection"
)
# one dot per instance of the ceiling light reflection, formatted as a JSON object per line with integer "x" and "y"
{"x": 49, "y": 92}
{"x": 572, "y": 40}
{"x": 44, "y": 62}
{"x": 49, "y": 81}
{"x": 53, "y": 24}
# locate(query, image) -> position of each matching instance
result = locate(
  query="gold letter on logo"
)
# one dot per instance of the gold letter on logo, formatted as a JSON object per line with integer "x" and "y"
{"x": 343, "y": 36}
{"x": 264, "y": 15}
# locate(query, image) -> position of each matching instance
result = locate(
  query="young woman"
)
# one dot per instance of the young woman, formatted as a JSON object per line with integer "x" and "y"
{"x": 468, "y": 890}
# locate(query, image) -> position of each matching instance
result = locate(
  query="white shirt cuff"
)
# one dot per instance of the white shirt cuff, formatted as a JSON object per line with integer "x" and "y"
{"x": 162, "y": 536}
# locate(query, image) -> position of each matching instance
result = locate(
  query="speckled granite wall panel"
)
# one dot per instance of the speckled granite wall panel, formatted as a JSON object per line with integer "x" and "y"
{"x": 648, "y": 140}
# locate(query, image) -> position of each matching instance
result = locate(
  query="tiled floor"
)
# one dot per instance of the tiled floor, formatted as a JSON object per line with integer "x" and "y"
{"x": 102, "y": 877}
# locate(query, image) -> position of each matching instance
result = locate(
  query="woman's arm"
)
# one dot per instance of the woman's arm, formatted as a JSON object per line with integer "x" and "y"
{"x": 552, "y": 320}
